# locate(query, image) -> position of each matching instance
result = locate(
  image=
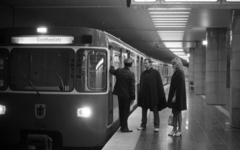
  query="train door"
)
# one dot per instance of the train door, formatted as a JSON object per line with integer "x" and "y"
{"x": 115, "y": 60}
{"x": 138, "y": 63}
{"x": 142, "y": 65}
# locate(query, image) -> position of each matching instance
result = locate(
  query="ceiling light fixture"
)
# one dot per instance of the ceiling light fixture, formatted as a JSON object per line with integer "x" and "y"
{"x": 182, "y": 12}
{"x": 169, "y": 21}
{"x": 165, "y": 19}
{"x": 170, "y": 31}
{"x": 190, "y": 0}
{"x": 233, "y": 0}
{"x": 176, "y": 50}
{"x": 171, "y": 16}
{"x": 169, "y": 8}
{"x": 145, "y": 1}
{"x": 170, "y": 26}
{"x": 173, "y": 44}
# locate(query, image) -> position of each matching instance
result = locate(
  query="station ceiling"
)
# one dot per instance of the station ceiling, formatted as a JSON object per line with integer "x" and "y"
{"x": 134, "y": 25}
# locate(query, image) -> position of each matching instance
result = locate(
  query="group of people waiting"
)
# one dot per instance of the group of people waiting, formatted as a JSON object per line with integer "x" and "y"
{"x": 151, "y": 94}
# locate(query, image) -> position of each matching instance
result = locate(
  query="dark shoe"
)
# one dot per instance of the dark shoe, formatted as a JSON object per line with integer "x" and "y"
{"x": 141, "y": 128}
{"x": 126, "y": 130}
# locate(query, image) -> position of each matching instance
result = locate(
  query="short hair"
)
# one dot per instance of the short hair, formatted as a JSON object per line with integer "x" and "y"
{"x": 178, "y": 62}
{"x": 149, "y": 60}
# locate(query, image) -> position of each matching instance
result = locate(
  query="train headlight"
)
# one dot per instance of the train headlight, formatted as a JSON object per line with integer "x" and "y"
{"x": 84, "y": 112}
{"x": 2, "y": 109}
{"x": 42, "y": 30}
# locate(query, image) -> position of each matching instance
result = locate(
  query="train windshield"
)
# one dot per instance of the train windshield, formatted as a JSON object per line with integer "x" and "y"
{"x": 91, "y": 70}
{"x": 42, "y": 69}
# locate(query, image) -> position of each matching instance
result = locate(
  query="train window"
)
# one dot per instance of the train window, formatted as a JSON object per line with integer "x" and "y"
{"x": 3, "y": 68}
{"x": 42, "y": 69}
{"x": 117, "y": 61}
{"x": 91, "y": 71}
{"x": 97, "y": 70}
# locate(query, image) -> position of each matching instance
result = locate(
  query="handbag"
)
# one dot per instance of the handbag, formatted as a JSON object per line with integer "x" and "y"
{"x": 170, "y": 120}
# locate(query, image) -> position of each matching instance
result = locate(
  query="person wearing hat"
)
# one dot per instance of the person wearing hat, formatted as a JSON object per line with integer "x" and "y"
{"x": 125, "y": 90}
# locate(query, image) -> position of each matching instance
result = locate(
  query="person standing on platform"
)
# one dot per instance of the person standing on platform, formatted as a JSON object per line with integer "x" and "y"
{"x": 177, "y": 96}
{"x": 125, "y": 90}
{"x": 151, "y": 95}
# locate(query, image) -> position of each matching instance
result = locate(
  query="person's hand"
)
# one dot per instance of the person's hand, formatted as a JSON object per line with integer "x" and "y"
{"x": 132, "y": 101}
{"x": 174, "y": 98}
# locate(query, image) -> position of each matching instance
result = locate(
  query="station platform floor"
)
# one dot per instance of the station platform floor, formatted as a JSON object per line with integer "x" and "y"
{"x": 204, "y": 127}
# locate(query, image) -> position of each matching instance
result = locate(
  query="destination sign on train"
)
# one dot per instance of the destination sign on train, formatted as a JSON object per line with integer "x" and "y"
{"x": 42, "y": 39}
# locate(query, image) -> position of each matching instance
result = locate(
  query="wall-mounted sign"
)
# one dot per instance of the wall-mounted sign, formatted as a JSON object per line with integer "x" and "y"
{"x": 43, "y": 39}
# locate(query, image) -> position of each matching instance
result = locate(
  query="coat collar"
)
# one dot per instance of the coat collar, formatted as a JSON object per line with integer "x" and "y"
{"x": 127, "y": 68}
{"x": 149, "y": 70}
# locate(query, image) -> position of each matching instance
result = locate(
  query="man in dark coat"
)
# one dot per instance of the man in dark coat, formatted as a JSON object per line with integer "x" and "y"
{"x": 125, "y": 90}
{"x": 151, "y": 94}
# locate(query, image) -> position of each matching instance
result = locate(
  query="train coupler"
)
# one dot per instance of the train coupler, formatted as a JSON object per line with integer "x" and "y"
{"x": 39, "y": 142}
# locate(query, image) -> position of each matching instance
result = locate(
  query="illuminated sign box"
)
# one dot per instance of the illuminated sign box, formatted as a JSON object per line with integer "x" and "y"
{"x": 190, "y": 1}
{"x": 145, "y": 2}
{"x": 43, "y": 39}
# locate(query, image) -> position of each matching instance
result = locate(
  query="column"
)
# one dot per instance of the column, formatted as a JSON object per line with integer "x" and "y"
{"x": 216, "y": 66}
{"x": 199, "y": 69}
{"x": 191, "y": 69}
{"x": 204, "y": 69}
{"x": 235, "y": 71}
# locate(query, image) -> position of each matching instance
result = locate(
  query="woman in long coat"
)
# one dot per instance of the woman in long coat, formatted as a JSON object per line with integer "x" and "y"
{"x": 177, "y": 96}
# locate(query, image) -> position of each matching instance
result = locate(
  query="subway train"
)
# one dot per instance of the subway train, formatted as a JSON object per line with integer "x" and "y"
{"x": 55, "y": 87}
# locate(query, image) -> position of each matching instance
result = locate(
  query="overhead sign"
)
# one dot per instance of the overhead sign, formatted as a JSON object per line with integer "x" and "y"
{"x": 46, "y": 39}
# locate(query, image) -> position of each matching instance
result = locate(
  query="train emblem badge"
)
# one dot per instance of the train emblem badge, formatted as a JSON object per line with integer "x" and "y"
{"x": 40, "y": 110}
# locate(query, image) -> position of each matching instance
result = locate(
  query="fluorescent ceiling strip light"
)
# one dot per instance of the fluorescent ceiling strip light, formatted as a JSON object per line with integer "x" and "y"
{"x": 176, "y": 50}
{"x": 165, "y": 13}
{"x": 157, "y": 21}
{"x": 171, "y": 16}
{"x": 165, "y": 19}
{"x": 232, "y": 0}
{"x": 190, "y": 0}
{"x": 171, "y": 24}
{"x": 171, "y": 38}
{"x": 145, "y": 0}
{"x": 170, "y": 31}
{"x": 173, "y": 44}
{"x": 180, "y": 53}
{"x": 164, "y": 36}
{"x": 169, "y": 8}
{"x": 171, "y": 34}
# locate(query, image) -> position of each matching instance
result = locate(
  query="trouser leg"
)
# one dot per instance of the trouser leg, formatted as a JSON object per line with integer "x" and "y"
{"x": 125, "y": 110}
{"x": 120, "y": 107}
{"x": 156, "y": 117}
{"x": 144, "y": 118}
